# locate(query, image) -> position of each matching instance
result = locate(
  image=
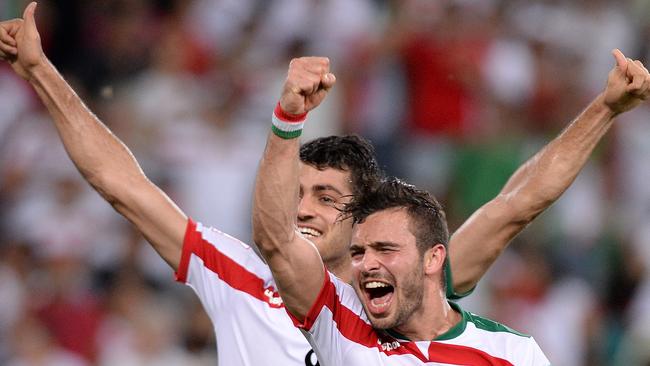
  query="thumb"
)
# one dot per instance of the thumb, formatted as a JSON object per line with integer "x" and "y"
{"x": 28, "y": 16}
{"x": 621, "y": 61}
{"x": 328, "y": 80}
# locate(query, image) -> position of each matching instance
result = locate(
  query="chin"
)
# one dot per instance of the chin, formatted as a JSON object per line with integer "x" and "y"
{"x": 382, "y": 323}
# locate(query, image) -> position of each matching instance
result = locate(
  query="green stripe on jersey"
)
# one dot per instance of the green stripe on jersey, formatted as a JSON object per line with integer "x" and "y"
{"x": 449, "y": 280}
{"x": 479, "y": 322}
{"x": 491, "y": 325}
{"x": 459, "y": 328}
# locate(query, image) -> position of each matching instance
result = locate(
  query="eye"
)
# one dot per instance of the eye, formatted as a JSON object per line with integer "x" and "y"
{"x": 385, "y": 250}
{"x": 356, "y": 253}
{"x": 327, "y": 200}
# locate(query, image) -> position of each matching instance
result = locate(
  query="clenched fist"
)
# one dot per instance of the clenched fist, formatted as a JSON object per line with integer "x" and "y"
{"x": 308, "y": 81}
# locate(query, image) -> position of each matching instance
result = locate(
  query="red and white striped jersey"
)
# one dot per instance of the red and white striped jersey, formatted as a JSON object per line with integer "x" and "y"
{"x": 237, "y": 291}
{"x": 341, "y": 334}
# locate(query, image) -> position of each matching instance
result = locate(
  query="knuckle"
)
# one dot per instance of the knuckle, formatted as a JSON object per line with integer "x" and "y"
{"x": 306, "y": 84}
{"x": 295, "y": 62}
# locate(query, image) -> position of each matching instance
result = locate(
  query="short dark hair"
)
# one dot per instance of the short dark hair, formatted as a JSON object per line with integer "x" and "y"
{"x": 348, "y": 153}
{"x": 428, "y": 221}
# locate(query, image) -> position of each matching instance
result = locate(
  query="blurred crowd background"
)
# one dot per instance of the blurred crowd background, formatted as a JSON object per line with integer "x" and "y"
{"x": 455, "y": 95}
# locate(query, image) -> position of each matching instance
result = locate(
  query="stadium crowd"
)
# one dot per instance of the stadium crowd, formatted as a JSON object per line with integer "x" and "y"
{"x": 454, "y": 94}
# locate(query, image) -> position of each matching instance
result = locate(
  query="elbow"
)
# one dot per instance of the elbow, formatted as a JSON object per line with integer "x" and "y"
{"x": 269, "y": 234}
{"x": 273, "y": 232}
{"x": 117, "y": 190}
{"x": 260, "y": 237}
{"x": 266, "y": 244}
{"x": 524, "y": 206}
{"x": 104, "y": 186}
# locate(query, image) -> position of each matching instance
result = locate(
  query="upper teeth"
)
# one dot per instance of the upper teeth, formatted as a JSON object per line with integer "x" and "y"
{"x": 376, "y": 284}
{"x": 309, "y": 231}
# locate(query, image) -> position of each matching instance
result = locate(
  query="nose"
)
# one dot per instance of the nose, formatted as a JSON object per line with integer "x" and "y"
{"x": 305, "y": 209}
{"x": 369, "y": 262}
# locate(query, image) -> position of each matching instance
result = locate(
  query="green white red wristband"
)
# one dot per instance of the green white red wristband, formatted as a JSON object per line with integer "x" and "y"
{"x": 285, "y": 125}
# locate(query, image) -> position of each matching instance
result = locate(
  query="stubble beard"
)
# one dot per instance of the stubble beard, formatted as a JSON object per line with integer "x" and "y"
{"x": 409, "y": 299}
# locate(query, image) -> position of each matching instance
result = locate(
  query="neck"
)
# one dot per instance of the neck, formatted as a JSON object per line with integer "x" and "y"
{"x": 434, "y": 317}
{"x": 341, "y": 268}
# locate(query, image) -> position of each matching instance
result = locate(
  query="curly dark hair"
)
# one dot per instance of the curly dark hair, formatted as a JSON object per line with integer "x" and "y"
{"x": 428, "y": 221}
{"x": 348, "y": 153}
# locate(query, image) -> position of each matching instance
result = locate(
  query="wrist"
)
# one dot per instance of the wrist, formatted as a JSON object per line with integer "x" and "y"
{"x": 38, "y": 70}
{"x": 600, "y": 105}
{"x": 287, "y": 125}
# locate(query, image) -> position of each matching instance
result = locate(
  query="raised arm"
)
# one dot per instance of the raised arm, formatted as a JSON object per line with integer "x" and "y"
{"x": 296, "y": 265}
{"x": 103, "y": 160}
{"x": 543, "y": 178}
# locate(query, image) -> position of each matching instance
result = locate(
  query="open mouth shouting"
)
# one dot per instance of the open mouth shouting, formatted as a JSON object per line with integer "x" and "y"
{"x": 378, "y": 295}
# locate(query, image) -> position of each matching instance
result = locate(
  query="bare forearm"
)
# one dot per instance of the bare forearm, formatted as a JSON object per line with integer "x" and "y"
{"x": 276, "y": 194}
{"x": 296, "y": 265}
{"x": 93, "y": 148}
{"x": 294, "y": 262}
{"x": 108, "y": 165}
{"x": 545, "y": 176}
{"x": 531, "y": 189}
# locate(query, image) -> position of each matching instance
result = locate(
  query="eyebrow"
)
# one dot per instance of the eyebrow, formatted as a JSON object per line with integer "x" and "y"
{"x": 326, "y": 187}
{"x": 374, "y": 245}
{"x": 355, "y": 247}
{"x": 384, "y": 244}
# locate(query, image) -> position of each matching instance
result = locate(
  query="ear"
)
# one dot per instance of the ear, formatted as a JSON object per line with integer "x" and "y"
{"x": 434, "y": 259}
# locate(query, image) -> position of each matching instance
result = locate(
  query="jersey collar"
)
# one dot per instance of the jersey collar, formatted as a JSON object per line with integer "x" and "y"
{"x": 452, "y": 333}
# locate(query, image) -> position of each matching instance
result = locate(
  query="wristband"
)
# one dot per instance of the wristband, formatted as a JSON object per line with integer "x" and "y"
{"x": 285, "y": 125}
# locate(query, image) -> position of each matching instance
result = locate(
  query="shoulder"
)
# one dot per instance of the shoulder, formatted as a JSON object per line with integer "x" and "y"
{"x": 214, "y": 250}
{"x": 201, "y": 240}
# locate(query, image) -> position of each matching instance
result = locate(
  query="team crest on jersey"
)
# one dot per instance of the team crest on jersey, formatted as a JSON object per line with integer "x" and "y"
{"x": 273, "y": 297}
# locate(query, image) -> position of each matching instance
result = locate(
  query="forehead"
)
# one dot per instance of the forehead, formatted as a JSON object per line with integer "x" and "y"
{"x": 391, "y": 225}
{"x": 311, "y": 177}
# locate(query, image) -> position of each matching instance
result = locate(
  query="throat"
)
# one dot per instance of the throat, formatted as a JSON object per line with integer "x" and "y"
{"x": 429, "y": 325}
{"x": 341, "y": 267}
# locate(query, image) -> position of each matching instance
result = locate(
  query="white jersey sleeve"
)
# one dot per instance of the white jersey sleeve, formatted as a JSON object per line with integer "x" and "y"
{"x": 214, "y": 264}
{"x": 237, "y": 291}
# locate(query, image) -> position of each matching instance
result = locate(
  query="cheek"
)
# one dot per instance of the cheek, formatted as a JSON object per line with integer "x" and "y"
{"x": 330, "y": 215}
{"x": 346, "y": 226}
{"x": 392, "y": 262}
{"x": 356, "y": 265}
{"x": 404, "y": 271}
{"x": 356, "y": 272}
